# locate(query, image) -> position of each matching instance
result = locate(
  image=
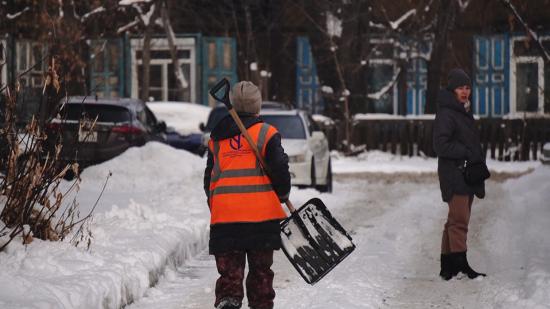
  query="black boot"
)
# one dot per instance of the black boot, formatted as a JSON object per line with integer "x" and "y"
{"x": 461, "y": 263}
{"x": 447, "y": 269}
{"x": 229, "y": 303}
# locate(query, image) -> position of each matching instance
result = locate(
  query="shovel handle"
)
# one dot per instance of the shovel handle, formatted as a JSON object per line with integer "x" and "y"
{"x": 225, "y": 100}
{"x": 256, "y": 151}
{"x": 290, "y": 206}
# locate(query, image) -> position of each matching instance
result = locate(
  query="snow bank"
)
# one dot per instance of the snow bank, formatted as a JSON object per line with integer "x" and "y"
{"x": 150, "y": 167}
{"x": 153, "y": 214}
{"x": 183, "y": 117}
{"x": 522, "y": 255}
{"x": 376, "y": 161}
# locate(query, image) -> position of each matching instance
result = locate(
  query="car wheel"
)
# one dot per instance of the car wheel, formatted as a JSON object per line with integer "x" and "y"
{"x": 313, "y": 181}
{"x": 327, "y": 188}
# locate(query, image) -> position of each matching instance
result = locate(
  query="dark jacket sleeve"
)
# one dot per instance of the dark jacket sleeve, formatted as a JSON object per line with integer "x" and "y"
{"x": 207, "y": 173}
{"x": 444, "y": 143}
{"x": 277, "y": 162}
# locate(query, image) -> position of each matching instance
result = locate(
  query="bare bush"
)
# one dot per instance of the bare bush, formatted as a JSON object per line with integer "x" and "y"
{"x": 32, "y": 203}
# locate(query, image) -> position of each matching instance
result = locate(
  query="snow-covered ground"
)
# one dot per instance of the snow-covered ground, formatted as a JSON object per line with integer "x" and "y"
{"x": 183, "y": 117}
{"x": 383, "y": 162}
{"x": 151, "y": 229}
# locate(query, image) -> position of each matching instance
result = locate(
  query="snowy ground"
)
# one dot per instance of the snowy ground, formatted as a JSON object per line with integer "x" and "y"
{"x": 151, "y": 227}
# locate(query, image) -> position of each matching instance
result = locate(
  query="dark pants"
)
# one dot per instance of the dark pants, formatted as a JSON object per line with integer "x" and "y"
{"x": 456, "y": 228}
{"x": 259, "y": 281}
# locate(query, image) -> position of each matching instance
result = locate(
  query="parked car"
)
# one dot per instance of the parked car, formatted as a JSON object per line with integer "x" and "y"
{"x": 306, "y": 146}
{"x": 92, "y": 130}
{"x": 220, "y": 111}
{"x": 190, "y": 142}
{"x": 182, "y": 119}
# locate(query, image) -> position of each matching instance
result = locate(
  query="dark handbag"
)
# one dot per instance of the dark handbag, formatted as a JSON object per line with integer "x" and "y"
{"x": 476, "y": 172}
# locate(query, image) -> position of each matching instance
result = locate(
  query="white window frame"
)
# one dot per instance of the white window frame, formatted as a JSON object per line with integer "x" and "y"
{"x": 161, "y": 44}
{"x": 514, "y": 60}
{"x": 540, "y": 87}
{"x": 30, "y": 75}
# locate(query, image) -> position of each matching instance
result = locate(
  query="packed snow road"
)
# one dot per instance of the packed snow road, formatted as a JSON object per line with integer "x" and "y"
{"x": 396, "y": 225}
{"x": 153, "y": 215}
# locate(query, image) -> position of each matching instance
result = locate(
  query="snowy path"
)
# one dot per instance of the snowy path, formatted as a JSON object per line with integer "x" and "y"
{"x": 397, "y": 228}
{"x": 153, "y": 216}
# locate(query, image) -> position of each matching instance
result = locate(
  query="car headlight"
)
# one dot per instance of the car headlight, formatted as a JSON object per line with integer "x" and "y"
{"x": 297, "y": 158}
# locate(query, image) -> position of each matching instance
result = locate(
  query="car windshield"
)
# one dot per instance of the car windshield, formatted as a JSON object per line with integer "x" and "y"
{"x": 290, "y": 126}
{"x": 104, "y": 113}
{"x": 215, "y": 116}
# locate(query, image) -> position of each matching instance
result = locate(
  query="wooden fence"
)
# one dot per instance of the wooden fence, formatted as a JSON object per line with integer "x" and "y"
{"x": 502, "y": 139}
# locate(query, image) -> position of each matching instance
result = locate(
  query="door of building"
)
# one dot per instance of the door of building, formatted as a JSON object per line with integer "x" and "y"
{"x": 307, "y": 82}
{"x": 219, "y": 60}
{"x": 491, "y": 96}
{"x": 107, "y": 68}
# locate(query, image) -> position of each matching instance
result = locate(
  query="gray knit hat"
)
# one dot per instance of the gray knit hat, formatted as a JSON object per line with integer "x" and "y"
{"x": 457, "y": 78}
{"x": 246, "y": 97}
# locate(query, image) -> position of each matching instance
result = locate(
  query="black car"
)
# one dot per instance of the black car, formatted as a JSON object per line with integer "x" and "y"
{"x": 92, "y": 130}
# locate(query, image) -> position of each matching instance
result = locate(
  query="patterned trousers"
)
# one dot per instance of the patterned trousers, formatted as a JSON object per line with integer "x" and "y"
{"x": 259, "y": 281}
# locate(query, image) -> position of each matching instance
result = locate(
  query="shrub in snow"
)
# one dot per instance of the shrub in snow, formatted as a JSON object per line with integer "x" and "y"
{"x": 30, "y": 178}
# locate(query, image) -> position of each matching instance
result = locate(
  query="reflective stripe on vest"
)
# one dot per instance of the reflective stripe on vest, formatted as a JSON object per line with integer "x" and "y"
{"x": 239, "y": 189}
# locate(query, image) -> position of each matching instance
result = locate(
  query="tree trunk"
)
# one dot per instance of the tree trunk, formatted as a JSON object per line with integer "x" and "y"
{"x": 145, "y": 65}
{"x": 251, "y": 55}
{"x": 321, "y": 48}
{"x": 282, "y": 83}
{"x": 180, "y": 78}
{"x": 337, "y": 58}
{"x": 146, "y": 57}
{"x": 445, "y": 21}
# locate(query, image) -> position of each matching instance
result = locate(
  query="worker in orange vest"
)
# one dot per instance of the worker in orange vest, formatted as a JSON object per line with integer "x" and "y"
{"x": 245, "y": 204}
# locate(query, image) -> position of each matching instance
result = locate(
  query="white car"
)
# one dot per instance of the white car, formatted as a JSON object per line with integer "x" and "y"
{"x": 306, "y": 146}
{"x": 545, "y": 156}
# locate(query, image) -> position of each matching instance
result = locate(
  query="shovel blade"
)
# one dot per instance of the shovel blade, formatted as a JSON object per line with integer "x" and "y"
{"x": 313, "y": 241}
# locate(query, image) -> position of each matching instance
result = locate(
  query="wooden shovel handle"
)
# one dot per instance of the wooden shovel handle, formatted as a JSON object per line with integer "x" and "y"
{"x": 243, "y": 130}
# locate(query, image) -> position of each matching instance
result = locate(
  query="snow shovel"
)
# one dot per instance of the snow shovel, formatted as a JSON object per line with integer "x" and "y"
{"x": 313, "y": 241}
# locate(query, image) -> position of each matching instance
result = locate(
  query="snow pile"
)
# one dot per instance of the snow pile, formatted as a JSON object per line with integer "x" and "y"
{"x": 153, "y": 213}
{"x": 517, "y": 243}
{"x": 183, "y": 117}
{"x": 155, "y": 161}
{"x": 327, "y": 121}
{"x": 376, "y": 161}
{"x": 382, "y": 162}
{"x": 383, "y": 116}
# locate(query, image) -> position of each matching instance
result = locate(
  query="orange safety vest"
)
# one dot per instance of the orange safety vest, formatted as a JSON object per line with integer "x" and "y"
{"x": 240, "y": 191}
